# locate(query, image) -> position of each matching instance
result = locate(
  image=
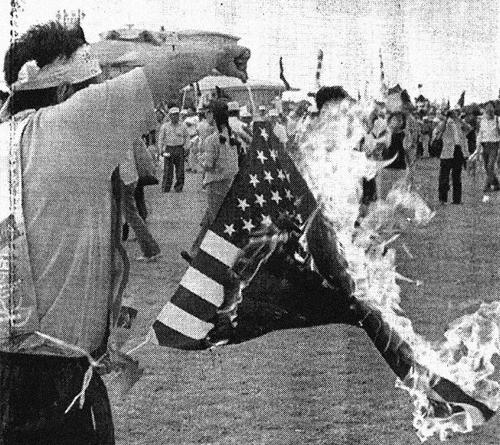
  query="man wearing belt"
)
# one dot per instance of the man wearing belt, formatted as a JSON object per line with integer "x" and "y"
{"x": 173, "y": 140}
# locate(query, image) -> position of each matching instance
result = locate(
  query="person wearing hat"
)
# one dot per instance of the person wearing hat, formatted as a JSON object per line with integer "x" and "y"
{"x": 173, "y": 142}
{"x": 64, "y": 136}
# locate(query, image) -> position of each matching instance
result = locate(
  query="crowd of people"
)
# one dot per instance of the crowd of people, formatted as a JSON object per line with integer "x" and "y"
{"x": 397, "y": 132}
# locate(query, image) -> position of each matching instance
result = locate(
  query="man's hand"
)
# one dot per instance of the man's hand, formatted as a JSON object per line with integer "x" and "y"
{"x": 232, "y": 61}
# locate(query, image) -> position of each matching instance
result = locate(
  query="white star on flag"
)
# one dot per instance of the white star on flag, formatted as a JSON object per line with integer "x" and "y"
{"x": 264, "y": 134}
{"x": 276, "y": 197}
{"x": 259, "y": 199}
{"x": 274, "y": 154}
{"x": 266, "y": 220}
{"x": 253, "y": 180}
{"x": 242, "y": 204}
{"x": 267, "y": 176}
{"x": 229, "y": 229}
{"x": 248, "y": 224}
{"x": 281, "y": 174}
{"x": 287, "y": 176}
{"x": 288, "y": 194}
{"x": 261, "y": 157}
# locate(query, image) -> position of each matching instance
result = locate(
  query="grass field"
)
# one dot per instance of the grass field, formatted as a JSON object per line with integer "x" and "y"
{"x": 320, "y": 385}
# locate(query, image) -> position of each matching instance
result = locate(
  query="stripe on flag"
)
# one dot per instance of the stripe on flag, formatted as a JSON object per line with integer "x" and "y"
{"x": 183, "y": 322}
{"x": 219, "y": 248}
{"x": 192, "y": 304}
{"x": 203, "y": 286}
{"x": 210, "y": 266}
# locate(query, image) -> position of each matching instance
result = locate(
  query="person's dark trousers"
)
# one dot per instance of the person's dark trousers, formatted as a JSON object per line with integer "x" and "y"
{"x": 176, "y": 159}
{"x": 35, "y": 390}
{"x": 490, "y": 154}
{"x": 140, "y": 201}
{"x": 453, "y": 166}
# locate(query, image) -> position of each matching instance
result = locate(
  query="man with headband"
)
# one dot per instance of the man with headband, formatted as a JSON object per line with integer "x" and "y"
{"x": 63, "y": 137}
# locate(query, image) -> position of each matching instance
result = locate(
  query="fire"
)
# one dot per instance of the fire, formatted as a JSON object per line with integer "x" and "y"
{"x": 333, "y": 168}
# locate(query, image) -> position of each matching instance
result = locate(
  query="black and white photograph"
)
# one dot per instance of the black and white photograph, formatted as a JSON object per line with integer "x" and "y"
{"x": 231, "y": 222}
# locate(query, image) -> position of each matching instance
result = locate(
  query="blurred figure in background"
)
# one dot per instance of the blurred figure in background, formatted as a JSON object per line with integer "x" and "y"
{"x": 453, "y": 156}
{"x": 173, "y": 142}
{"x": 219, "y": 159}
{"x": 488, "y": 140}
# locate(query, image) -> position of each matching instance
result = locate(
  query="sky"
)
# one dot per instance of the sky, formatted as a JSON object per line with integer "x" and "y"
{"x": 446, "y": 45}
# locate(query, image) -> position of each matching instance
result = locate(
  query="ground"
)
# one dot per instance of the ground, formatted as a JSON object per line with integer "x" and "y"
{"x": 316, "y": 385}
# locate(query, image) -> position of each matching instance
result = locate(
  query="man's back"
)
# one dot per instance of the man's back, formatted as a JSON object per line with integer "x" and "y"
{"x": 68, "y": 157}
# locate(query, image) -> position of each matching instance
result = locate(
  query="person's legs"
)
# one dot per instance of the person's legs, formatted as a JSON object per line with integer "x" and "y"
{"x": 179, "y": 169}
{"x": 168, "y": 173}
{"x": 490, "y": 153}
{"x": 140, "y": 201}
{"x": 214, "y": 201}
{"x": 456, "y": 175}
{"x": 444, "y": 178}
{"x": 147, "y": 243}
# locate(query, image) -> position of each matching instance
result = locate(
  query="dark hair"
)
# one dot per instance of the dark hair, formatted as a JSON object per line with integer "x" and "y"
{"x": 326, "y": 94}
{"x": 221, "y": 117}
{"x": 399, "y": 114}
{"x": 44, "y": 44}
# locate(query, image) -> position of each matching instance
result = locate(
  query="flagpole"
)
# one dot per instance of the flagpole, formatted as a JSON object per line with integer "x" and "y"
{"x": 319, "y": 69}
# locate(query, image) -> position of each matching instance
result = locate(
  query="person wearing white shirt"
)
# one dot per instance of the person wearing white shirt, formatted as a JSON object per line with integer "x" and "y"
{"x": 173, "y": 141}
{"x": 488, "y": 141}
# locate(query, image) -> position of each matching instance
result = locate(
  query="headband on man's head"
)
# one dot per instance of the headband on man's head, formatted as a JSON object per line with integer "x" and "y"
{"x": 79, "y": 67}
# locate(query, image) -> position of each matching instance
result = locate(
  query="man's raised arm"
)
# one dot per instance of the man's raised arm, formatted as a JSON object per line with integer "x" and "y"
{"x": 171, "y": 72}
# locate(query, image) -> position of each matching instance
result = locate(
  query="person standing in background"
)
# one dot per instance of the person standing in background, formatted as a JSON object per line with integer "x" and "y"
{"x": 453, "y": 156}
{"x": 191, "y": 122}
{"x": 488, "y": 141}
{"x": 219, "y": 159}
{"x": 388, "y": 176}
{"x": 239, "y": 129}
{"x": 173, "y": 142}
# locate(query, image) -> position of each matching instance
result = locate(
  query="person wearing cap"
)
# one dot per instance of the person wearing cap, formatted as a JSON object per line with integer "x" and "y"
{"x": 173, "y": 142}
{"x": 65, "y": 135}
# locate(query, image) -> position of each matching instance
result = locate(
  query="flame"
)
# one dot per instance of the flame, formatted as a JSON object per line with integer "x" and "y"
{"x": 333, "y": 169}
